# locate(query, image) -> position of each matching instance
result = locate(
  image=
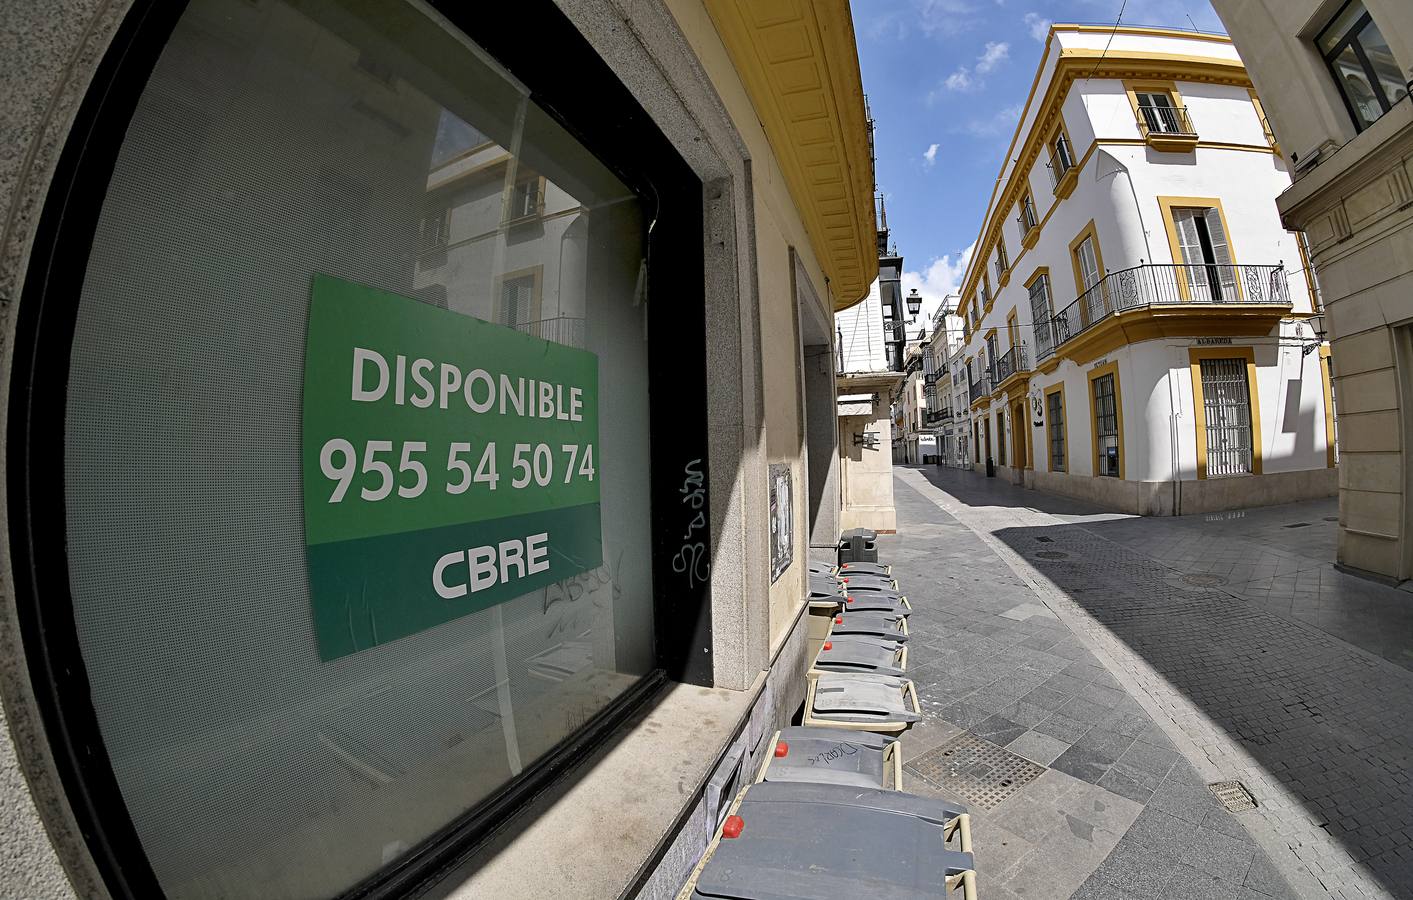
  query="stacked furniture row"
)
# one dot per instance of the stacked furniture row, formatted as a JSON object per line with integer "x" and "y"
{"x": 826, "y": 818}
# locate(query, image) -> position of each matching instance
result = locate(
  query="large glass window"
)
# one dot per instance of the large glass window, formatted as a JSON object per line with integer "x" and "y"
{"x": 1363, "y": 66}
{"x": 320, "y": 623}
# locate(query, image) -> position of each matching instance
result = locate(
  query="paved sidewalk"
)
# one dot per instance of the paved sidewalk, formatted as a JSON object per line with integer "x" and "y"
{"x": 1113, "y": 810}
{"x": 1246, "y": 676}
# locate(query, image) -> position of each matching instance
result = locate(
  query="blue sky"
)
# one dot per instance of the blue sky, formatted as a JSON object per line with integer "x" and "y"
{"x": 945, "y": 81}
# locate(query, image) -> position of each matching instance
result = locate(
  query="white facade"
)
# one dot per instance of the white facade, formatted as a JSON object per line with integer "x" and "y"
{"x": 1132, "y": 235}
{"x": 860, "y": 335}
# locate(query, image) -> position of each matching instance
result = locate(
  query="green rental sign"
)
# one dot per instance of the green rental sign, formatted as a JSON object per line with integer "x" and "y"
{"x": 449, "y": 465}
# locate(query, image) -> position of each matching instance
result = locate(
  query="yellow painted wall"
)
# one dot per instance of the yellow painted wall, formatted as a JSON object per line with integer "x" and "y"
{"x": 778, "y": 227}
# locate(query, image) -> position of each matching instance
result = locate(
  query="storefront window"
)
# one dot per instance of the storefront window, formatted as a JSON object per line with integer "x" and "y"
{"x": 357, "y": 444}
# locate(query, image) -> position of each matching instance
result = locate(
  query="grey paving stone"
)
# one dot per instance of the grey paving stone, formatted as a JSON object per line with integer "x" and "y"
{"x": 1265, "y": 879}
{"x": 1221, "y": 856}
{"x": 1148, "y": 758}
{"x": 1085, "y": 765}
{"x": 1025, "y": 713}
{"x": 1182, "y": 800}
{"x": 999, "y": 730}
{"x": 1037, "y": 747}
{"x": 1160, "y": 830}
{"x": 1125, "y": 785}
{"x": 1062, "y": 727}
{"x": 1103, "y": 742}
{"x": 1084, "y": 711}
{"x": 1046, "y": 698}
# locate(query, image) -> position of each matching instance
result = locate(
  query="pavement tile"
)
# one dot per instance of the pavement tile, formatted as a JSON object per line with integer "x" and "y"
{"x": 1062, "y": 727}
{"x": 1125, "y": 785}
{"x": 1148, "y": 758}
{"x": 1223, "y": 857}
{"x": 1025, "y": 713}
{"x": 1085, "y": 765}
{"x": 1103, "y": 742}
{"x": 1160, "y": 830}
{"x": 999, "y": 730}
{"x": 1037, "y": 747}
{"x": 1045, "y": 874}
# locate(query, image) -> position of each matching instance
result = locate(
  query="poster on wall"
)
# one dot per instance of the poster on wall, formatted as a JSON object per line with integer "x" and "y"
{"x": 449, "y": 464}
{"x": 782, "y": 524}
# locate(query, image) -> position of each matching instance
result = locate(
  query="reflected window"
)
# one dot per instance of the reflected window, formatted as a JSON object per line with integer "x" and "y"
{"x": 1364, "y": 68}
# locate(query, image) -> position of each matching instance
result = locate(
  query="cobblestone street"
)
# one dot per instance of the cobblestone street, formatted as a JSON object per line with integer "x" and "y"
{"x": 1135, "y": 661}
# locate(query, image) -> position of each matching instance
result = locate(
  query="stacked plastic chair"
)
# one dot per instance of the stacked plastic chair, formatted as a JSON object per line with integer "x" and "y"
{"x": 826, "y": 817}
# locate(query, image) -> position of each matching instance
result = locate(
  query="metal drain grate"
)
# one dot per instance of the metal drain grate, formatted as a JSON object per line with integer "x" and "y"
{"x": 1297, "y": 525}
{"x": 1052, "y": 554}
{"x": 1234, "y": 795}
{"x": 978, "y": 771}
{"x": 1200, "y": 580}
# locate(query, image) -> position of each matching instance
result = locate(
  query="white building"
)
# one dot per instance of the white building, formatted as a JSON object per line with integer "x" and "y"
{"x": 943, "y": 342}
{"x": 864, "y": 386}
{"x": 1135, "y": 312}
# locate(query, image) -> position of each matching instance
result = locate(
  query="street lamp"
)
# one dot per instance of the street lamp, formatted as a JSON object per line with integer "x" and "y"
{"x": 1317, "y": 325}
{"x": 914, "y": 304}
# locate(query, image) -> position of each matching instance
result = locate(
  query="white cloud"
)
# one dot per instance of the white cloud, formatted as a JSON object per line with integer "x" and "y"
{"x": 967, "y": 78}
{"x": 929, "y": 156}
{"x": 959, "y": 80}
{"x": 994, "y": 54}
{"x": 942, "y": 276}
{"x": 1003, "y": 122}
{"x": 944, "y": 17}
{"x": 1039, "y": 26}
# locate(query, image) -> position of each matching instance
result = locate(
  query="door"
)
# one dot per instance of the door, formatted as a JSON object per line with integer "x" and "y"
{"x": 1158, "y": 112}
{"x": 1208, "y": 271}
{"x": 1106, "y": 427}
{"x": 1226, "y": 402}
{"x": 1094, "y": 307}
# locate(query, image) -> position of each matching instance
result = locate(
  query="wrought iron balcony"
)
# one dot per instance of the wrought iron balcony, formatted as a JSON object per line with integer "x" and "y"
{"x": 1155, "y": 121}
{"x": 567, "y": 330}
{"x": 938, "y": 416}
{"x": 1061, "y": 161}
{"x": 1009, "y": 363}
{"x": 980, "y": 388}
{"x": 1157, "y": 284}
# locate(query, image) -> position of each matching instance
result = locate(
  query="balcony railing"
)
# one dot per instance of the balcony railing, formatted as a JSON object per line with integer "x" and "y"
{"x": 1157, "y": 284}
{"x": 1165, "y": 120}
{"x": 937, "y": 416}
{"x": 1009, "y": 363}
{"x": 1061, "y": 161}
{"x": 980, "y": 388}
{"x": 567, "y": 330}
{"x": 1026, "y": 220}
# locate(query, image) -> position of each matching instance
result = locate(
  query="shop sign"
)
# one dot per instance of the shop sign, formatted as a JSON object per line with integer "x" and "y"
{"x": 449, "y": 464}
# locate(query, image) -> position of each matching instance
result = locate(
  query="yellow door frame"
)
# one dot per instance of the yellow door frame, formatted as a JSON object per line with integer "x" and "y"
{"x": 1195, "y": 355}
{"x": 1050, "y": 428}
{"x": 1106, "y": 369}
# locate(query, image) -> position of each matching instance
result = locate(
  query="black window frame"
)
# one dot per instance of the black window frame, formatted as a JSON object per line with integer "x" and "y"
{"x": 629, "y": 143}
{"x": 1351, "y": 39}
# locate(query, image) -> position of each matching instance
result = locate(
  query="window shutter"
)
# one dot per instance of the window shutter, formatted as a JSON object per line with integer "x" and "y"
{"x": 1188, "y": 238}
{"x": 1221, "y": 253}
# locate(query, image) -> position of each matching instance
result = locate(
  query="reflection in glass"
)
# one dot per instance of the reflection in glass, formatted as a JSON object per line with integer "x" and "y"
{"x": 366, "y": 141}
